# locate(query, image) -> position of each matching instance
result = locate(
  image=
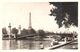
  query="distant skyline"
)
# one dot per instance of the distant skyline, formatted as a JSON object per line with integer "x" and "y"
{"x": 18, "y": 14}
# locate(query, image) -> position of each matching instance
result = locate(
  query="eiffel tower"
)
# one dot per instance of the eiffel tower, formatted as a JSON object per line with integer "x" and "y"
{"x": 30, "y": 29}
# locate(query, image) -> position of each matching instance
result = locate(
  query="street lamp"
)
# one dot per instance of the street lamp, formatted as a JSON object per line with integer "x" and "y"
{"x": 19, "y": 29}
{"x": 9, "y": 29}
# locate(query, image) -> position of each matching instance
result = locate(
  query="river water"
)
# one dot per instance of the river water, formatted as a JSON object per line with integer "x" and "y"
{"x": 24, "y": 44}
{"x": 28, "y": 44}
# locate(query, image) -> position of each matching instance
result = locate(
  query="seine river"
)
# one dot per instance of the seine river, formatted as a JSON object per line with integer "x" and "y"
{"x": 24, "y": 44}
{"x": 30, "y": 45}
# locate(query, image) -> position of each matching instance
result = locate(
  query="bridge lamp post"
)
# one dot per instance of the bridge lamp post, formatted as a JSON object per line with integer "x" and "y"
{"x": 9, "y": 29}
{"x": 19, "y": 29}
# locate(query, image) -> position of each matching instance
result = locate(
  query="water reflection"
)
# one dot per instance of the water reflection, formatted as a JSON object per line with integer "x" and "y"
{"x": 24, "y": 44}
{"x": 30, "y": 44}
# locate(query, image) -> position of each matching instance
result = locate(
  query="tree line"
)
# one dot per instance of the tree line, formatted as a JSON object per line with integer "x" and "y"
{"x": 23, "y": 32}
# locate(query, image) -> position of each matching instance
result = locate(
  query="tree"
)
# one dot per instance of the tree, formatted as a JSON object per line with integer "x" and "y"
{"x": 66, "y": 13}
{"x": 41, "y": 33}
{"x": 31, "y": 31}
{"x": 24, "y": 32}
{"x": 4, "y": 31}
{"x": 15, "y": 31}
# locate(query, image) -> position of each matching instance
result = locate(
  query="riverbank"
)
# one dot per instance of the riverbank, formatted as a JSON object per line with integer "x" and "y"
{"x": 29, "y": 38}
{"x": 61, "y": 44}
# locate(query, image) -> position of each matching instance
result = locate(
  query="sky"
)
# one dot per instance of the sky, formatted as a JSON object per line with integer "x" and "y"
{"x": 17, "y": 13}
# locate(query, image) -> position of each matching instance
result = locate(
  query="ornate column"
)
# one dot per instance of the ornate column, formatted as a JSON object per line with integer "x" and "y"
{"x": 9, "y": 30}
